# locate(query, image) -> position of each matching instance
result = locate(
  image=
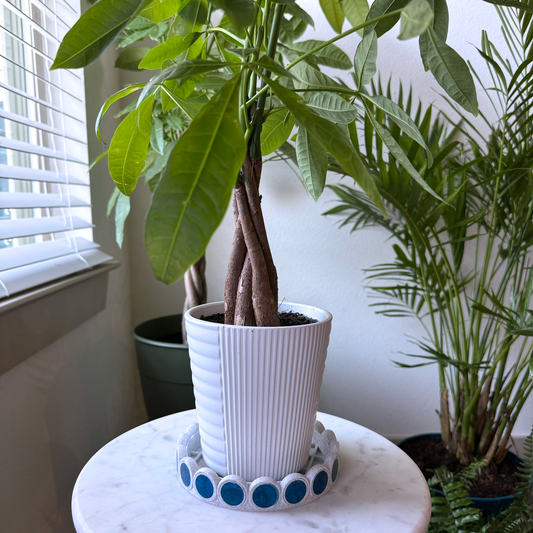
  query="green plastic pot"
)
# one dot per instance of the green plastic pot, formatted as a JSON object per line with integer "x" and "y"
{"x": 164, "y": 366}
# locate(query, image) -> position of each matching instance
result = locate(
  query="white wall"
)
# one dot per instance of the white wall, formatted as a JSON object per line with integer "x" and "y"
{"x": 64, "y": 403}
{"x": 322, "y": 265}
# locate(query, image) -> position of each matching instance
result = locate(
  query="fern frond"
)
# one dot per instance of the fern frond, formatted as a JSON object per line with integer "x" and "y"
{"x": 453, "y": 512}
{"x": 525, "y": 471}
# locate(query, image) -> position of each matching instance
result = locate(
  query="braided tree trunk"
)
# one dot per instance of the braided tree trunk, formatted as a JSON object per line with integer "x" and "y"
{"x": 195, "y": 290}
{"x": 251, "y": 290}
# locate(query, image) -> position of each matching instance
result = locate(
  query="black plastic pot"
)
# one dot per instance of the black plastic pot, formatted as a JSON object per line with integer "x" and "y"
{"x": 164, "y": 366}
{"x": 489, "y": 506}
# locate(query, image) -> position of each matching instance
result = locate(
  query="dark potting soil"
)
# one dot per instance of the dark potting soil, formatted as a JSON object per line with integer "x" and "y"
{"x": 173, "y": 338}
{"x": 492, "y": 482}
{"x": 285, "y": 318}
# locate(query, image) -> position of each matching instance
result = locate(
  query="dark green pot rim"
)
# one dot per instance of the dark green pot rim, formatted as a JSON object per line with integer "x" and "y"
{"x": 145, "y": 340}
{"x": 435, "y": 436}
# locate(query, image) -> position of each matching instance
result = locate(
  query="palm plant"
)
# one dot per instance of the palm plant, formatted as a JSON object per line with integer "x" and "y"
{"x": 476, "y": 312}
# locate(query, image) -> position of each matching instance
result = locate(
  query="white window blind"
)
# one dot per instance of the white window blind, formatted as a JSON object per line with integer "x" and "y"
{"x": 45, "y": 213}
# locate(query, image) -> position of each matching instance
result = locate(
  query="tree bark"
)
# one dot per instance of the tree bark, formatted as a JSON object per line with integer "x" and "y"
{"x": 251, "y": 289}
{"x": 195, "y": 290}
{"x": 244, "y": 310}
{"x": 235, "y": 267}
{"x": 254, "y": 201}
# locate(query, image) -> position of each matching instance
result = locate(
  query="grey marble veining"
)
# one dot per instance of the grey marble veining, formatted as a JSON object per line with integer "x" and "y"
{"x": 131, "y": 485}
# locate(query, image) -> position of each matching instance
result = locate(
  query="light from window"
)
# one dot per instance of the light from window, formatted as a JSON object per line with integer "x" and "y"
{"x": 45, "y": 214}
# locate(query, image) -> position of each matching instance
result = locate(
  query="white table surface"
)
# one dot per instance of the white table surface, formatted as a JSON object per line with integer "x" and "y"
{"x": 131, "y": 485}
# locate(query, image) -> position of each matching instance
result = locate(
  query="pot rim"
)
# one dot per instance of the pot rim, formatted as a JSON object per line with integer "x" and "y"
{"x": 151, "y": 342}
{"x": 435, "y": 435}
{"x": 328, "y": 317}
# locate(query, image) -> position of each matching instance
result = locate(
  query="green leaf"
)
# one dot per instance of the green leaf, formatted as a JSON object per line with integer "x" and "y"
{"x": 135, "y": 37}
{"x": 423, "y": 46}
{"x": 522, "y": 5}
{"x": 174, "y": 121}
{"x": 157, "y": 139}
{"x": 111, "y": 100}
{"x": 332, "y": 137}
{"x": 183, "y": 91}
{"x": 273, "y": 66}
{"x": 451, "y": 72}
{"x": 416, "y": 18}
{"x": 402, "y": 119}
{"x": 160, "y": 31}
{"x": 365, "y": 59}
{"x": 330, "y": 55}
{"x": 440, "y": 27}
{"x": 96, "y": 29}
{"x": 125, "y": 110}
{"x": 130, "y": 58}
{"x": 291, "y": 30}
{"x": 292, "y": 55}
{"x": 441, "y": 20}
{"x": 195, "y": 189}
{"x": 161, "y": 162}
{"x": 97, "y": 160}
{"x": 309, "y": 77}
{"x": 396, "y": 150}
{"x": 112, "y": 201}
{"x": 240, "y": 12}
{"x": 129, "y": 146}
{"x": 160, "y": 10}
{"x": 186, "y": 69}
{"x": 170, "y": 49}
{"x": 356, "y": 11}
{"x": 382, "y": 7}
{"x": 139, "y": 23}
{"x": 121, "y": 214}
{"x": 213, "y": 82}
{"x": 333, "y": 11}
{"x": 189, "y": 108}
{"x": 313, "y": 163}
{"x": 276, "y": 130}
{"x": 242, "y": 52}
{"x": 332, "y": 107}
{"x": 298, "y": 13}
{"x": 190, "y": 19}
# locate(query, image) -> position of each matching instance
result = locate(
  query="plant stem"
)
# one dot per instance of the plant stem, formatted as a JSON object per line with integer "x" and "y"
{"x": 255, "y": 141}
{"x": 324, "y": 44}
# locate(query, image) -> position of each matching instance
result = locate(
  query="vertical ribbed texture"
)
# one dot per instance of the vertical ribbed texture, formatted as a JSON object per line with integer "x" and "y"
{"x": 271, "y": 382}
{"x": 257, "y": 391}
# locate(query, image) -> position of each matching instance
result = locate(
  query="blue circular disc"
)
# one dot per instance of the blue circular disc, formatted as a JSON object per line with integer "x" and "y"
{"x": 320, "y": 483}
{"x": 265, "y": 496}
{"x": 185, "y": 474}
{"x": 335, "y": 471}
{"x": 295, "y": 491}
{"x": 204, "y": 486}
{"x": 232, "y": 493}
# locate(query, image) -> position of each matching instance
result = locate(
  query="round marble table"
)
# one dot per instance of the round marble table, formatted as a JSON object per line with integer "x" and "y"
{"x": 131, "y": 485}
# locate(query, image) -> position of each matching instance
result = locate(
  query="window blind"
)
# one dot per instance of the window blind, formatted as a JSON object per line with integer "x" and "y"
{"x": 45, "y": 204}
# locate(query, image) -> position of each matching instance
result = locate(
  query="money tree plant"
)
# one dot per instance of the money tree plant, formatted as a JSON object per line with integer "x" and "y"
{"x": 243, "y": 75}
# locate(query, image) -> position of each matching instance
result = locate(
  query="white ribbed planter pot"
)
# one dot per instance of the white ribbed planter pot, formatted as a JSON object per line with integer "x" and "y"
{"x": 257, "y": 391}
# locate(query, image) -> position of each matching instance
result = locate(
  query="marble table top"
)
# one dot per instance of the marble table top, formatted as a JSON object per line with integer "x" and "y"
{"x": 131, "y": 485}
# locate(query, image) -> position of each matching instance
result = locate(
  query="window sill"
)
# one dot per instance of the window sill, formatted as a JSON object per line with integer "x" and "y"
{"x": 27, "y": 323}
